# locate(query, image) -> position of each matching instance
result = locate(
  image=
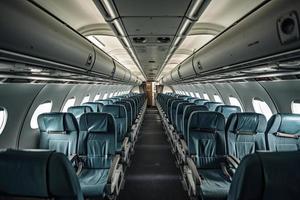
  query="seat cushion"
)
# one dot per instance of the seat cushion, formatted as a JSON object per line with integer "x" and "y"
{"x": 213, "y": 185}
{"x": 93, "y": 181}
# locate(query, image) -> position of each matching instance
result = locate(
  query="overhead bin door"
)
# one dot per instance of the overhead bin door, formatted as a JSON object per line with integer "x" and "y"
{"x": 127, "y": 76}
{"x": 186, "y": 69}
{"x": 119, "y": 73}
{"x": 29, "y": 31}
{"x": 103, "y": 64}
{"x": 175, "y": 75}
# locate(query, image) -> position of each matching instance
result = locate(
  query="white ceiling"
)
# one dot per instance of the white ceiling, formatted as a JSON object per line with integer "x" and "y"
{"x": 80, "y": 14}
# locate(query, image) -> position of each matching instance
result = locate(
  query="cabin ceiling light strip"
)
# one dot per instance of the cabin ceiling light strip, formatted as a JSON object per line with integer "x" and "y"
{"x": 109, "y": 8}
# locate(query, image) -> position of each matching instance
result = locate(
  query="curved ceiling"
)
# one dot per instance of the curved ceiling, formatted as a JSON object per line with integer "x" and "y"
{"x": 154, "y": 40}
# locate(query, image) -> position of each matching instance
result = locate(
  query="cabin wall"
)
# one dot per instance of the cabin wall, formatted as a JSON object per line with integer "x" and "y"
{"x": 21, "y": 100}
{"x": 277, "y": 94}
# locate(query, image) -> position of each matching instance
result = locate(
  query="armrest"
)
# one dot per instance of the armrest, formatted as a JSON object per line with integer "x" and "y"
{"x": 194, "y": 171}
{"x": 113, "y": 168}
{"x": 79, "y": 163}
{"x": 125, "y": 143}
{"x": 184, "y": 146}
{"x": 233, "y": 160}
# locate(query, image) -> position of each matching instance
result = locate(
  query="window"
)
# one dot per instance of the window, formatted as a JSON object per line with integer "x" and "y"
{"x": 197, "y": 95}
{"x": 105, "y": 96}
{"x": 97, "y": 97}
{"x": 3, "y": 118}
{"x": 206, "y": 96}
{"x": 85, "y": 99}
{"x": 42, "y": 108}
{"x": 296, "y": 106}
{"x": 70, "y": 102}
{"x": 110, "y": 95}
{"x": 235, "y": 102}
{"x": 218, "y": 98}
{"x": 261, "y": 107}
{"x": 192, "y": 94}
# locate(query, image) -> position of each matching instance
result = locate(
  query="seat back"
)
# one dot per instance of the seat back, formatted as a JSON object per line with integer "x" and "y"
{"x": 179, "y": 116}
{"x": 96, "y": 106}
{"x": 129, "y": 112}
{"x": 206, "y": 137}
{"x": 77, "y": 111}
{"x": 211, "y": 105}
{"x": 227, "y": 110}
{"x": 38, "y": 175}
{"x": 173, "y": 110}
{"x": 59, "y": 132}
{"x": 105, "y": 101}
{"x": 120, "y": 116}
{"x": 97, "y": 139}
{"x": 185, "y": 117}
{"x": 200, "y": 102}
{"x": 264, "y": 176}
{"x": 245, "y": 133}
{"x": 283, "y": 132}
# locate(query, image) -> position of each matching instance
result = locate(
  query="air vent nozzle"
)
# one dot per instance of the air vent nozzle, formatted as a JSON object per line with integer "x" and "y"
{"x": 140, "y": 40}
{"x": 163, "y": 39}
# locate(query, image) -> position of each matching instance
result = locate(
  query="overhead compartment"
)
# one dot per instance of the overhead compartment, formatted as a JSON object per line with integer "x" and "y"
{"x": 30, "y": 35}
{"x": 270, "y": 33}
{"x": 174, "y": 75}
{"x": 186, "y": 69}
{"x": 104, "y": 64}
{"x": 127, "y": 76}
{"x": 119, "y": 72}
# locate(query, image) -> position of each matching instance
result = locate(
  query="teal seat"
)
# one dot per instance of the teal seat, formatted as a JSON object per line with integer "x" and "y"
{"x": 58, "y": 132}
{"x": 173, "y": 108}
{"x": 206, "y": 149}
{"x": 37, "y": 175}
{"x": 105, "y": 101}
{"x": 179, "y": 116}
{"x": 227, "y": 110}
{"x": 97, "y": 147}
{"x": 200, "y": 102}
{"x": 245, "y": 134}
{"x": 96, "y": 106}
{"x": 77, "y": 111}
{"x": 267, "y": 175}
{"x": 211, "y": 105}
{"x": 120, "y": 117}
{"x": 283, "y": 132}
{"x": 129, "y": 113}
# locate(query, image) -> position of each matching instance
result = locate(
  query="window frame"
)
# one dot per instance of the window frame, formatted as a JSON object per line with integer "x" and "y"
{"x": 33, "y": 120}
{"x": 64, "y": 109}
{"x": 296, "y": 101}
{"x": 235, "y": 104}
{"x": 260, "y": 106}
{"x": 4, "y": 119}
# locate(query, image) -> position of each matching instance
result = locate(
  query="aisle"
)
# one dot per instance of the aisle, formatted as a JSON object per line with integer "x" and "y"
{"x": 153, "y": 174}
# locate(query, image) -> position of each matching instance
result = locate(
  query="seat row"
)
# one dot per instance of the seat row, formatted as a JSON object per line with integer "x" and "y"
{"x": 209, "y": 151}
{"x": 98, "y": 138}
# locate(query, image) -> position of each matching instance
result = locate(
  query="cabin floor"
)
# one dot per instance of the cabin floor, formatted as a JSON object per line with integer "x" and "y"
{"x": 153, "y": 174}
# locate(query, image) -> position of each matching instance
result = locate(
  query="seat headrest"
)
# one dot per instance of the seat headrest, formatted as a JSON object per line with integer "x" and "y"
{"x": 200, "y": 101}
{"x": 211, "y": 105}
{"x": 189, "y": 109}
{"x": 118, "y": 111}
{"x": 206, "y": 121}
{"x": 105, "y": 101}
{"x": 177, "y": 102}
{"x": 77, "y": 111}
{"x": 276, "y": 177}
{"x": 37, "y": 174}
{"x": 97, "y": 123}
{"x": 246, "y": 123}
{"x": 57, "y": 122}
{"x": 284, "y": 123}
{"x": 182, "y": 106}
{"x": 96, "y": 106}
{"x": 226, "y": 110}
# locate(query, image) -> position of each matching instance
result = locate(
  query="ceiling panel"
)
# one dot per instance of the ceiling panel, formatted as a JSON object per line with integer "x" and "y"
{"x": 151, "y": 7}
{"x": 151, "y": 25}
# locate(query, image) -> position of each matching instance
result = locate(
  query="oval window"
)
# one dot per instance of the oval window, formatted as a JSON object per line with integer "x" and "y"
{"x": 235, "y": 102}
{"x": 206, "y": 96}
{"x": 3, "y": 118}
{"x": 42, "y": 108}
{"x": 295, "y": 106}
{"x": 218, "y": 98}
{"x": 70, "y": 102}
{"x": 105, "y": 96}
{"x": 85, "y": 99}
{"x": 97, "y": 97}
{"x": 192, "y": 94}
{"x": 261, "y": 107}
{"x": 197, "y": 95}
